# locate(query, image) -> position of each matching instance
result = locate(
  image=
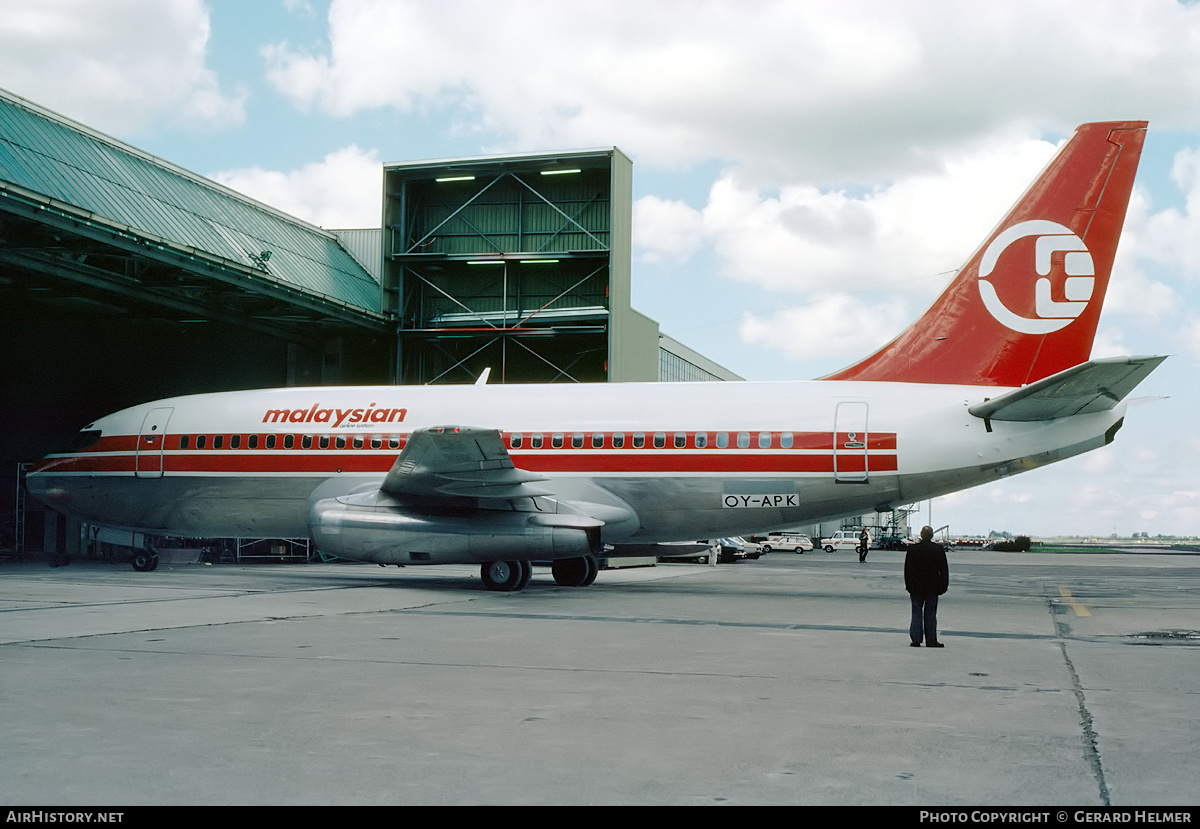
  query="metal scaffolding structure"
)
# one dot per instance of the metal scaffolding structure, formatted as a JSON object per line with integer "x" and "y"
{"x": 517, "y": 264}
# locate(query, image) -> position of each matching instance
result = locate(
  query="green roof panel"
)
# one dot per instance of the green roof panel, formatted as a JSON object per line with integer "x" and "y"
{"x": 53, "y": 157}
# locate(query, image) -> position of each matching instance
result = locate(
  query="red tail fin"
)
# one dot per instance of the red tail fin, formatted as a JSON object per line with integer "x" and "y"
{"x": 1026, "y": 304}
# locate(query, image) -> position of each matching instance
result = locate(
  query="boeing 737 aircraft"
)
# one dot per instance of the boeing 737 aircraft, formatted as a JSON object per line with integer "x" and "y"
{"x": 994, "y": 379}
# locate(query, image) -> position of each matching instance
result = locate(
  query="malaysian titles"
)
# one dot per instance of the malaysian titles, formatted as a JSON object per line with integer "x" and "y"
{"x": 338, "y": 417}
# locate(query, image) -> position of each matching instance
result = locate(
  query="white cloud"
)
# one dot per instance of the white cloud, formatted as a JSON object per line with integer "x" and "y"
{"x": 117, "y": 65}
{"x": 834, "y": 329}
{"x": 342, "y": 190}
{"x": 1170, "y": 238}
{"x": 1189, "y": 338}
{"x": 914, "y": 228}
{"x": 823, "y": 91}
{"x": 866, "y": 262}
{"x": 666, "y": 230}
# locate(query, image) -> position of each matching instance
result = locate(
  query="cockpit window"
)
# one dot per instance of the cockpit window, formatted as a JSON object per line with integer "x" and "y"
{"x": 86, "y": 438}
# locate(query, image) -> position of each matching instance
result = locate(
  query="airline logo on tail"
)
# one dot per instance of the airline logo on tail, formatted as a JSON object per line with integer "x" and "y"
{"x": 1052, "y": 314}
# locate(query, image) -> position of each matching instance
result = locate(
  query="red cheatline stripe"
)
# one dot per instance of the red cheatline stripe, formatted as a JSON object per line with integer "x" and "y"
{"x": 644, "y": 461}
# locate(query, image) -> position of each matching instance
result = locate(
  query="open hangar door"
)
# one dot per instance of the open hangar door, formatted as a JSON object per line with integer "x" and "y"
{"x": 67, "y": 359}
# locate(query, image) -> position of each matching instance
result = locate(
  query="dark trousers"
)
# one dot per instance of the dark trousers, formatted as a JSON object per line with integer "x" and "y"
{"x": 924, "y": 618}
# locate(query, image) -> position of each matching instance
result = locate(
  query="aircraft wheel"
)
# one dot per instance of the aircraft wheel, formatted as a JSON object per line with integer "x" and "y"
{"x": 593, "y": 570}
{"x": 506, "y": 576}
{"x": 144, "y": 561}
{"x": 575, "y": 572}
{"x": 569, "y": 572}
{"x": 526, "y": 574}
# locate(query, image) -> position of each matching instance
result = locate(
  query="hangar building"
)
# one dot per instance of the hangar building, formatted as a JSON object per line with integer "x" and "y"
{"x": 125, "y": 278}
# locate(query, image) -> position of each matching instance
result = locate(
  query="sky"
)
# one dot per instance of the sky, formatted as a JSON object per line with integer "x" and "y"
{"x": 807, "y": 175}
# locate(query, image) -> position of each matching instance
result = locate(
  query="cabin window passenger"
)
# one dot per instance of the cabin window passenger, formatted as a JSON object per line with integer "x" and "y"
{"x": 743, "y": 440}
{"x": 323, "y": 442}
{"x": 660, "y": 440}
{"x": 598, "y": 440}
{"x": 289, "y": 441}
{"x": 252, "y": 442}
{"x": 514, "y": 440}
{"x": 339, "y": 442}
{"x": 535, "y": 440}
{"x": 618, "y": 440}
{"x": 577, "y": 440}
{"x": 201, "y": 441}
{"x": 764, "y": 440}
{"x": 235, "y": 442}
{"x": 376, "y": 441}
{"x": 270, "y": 441}
{"x": 701, "y": 440}
{"x": 184, "y": 440}
{"x": 639, "y": 440}
{"x": 722, "y": 440}
{"x": 306, "y": 442}
{"x": 358, "y": 442}
{"x": 393, "y": 441}
{"x": 785, "y": 440}
{"x": 680, "y": 440}
{"x": 218, "y": 441}
{"x": 556, "y": 440}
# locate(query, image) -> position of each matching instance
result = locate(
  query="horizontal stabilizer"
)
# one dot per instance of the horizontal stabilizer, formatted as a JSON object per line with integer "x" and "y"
{"x": 1094, "y": 386}
{"x": 455, "y": 461}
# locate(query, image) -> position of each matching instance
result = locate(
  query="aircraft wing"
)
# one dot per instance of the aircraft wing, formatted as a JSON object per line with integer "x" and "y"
{"x": 1094, "y": 386}
{"x": 458, "y": 462}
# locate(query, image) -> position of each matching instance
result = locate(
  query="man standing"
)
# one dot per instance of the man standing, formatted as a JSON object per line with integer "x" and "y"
{"x": 926, "y": 576}
{"x": 864, "y": 544}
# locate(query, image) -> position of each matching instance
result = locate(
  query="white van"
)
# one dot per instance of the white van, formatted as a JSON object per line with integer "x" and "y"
{"x": 841, "y": 540}
{"x": 795, "y": 542}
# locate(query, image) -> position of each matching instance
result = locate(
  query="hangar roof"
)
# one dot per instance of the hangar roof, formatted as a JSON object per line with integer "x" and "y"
{"x": 124, "y": 228}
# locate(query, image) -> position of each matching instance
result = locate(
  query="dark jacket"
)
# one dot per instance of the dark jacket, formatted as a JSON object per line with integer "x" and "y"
{"x": 926, "y": 571}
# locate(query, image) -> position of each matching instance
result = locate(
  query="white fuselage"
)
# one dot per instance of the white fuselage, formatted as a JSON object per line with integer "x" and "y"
{"x": 656, "y": 461}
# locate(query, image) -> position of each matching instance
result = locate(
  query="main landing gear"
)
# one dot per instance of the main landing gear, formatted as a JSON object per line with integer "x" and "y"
{"x": 511, "y": 576}
{"x": 575, "y": 572}
{"x": 506, "y": 576}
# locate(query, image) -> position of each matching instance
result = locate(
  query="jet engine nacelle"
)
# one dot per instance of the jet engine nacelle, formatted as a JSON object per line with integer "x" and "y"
{"x": 374, "y": 527}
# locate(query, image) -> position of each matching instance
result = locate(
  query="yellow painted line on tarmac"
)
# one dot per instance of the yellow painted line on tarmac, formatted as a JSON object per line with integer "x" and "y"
{"x": 1079, "y": 609}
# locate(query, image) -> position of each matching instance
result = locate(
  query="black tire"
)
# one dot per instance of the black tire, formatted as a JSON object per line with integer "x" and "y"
{"x": 829, "y": 548}
{"x": 573, "y": 572}
{"x": 505, "y": 576}
{"x": 144, "y": 561}
{"x": 526, "y": 568}
{"x": 766, "y": 548}
{"x": 593, "y": 570}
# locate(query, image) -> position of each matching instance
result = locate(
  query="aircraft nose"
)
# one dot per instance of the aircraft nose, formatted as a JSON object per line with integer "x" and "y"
{"x": 46, "y": 489}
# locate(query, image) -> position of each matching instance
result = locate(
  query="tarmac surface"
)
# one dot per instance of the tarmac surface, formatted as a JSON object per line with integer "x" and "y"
{"x": 1065, "y": 680}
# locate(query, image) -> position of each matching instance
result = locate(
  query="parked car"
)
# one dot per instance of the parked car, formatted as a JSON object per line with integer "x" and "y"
{"x": 736, "y": 547}
{"x": 841, "y": 540}
{"x": 796, "y": 542}
{"x": 696, "y": 551}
